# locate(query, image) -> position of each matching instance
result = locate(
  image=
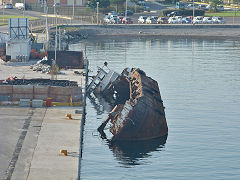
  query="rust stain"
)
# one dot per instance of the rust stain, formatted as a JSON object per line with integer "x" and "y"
{"x": 142, "y": 116}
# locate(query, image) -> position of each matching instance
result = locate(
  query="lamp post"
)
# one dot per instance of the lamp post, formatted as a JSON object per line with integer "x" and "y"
{"x": 97, "y": 11}
{"x": 193, "y": 12}
{"x": 126, "y": 13}
{"x": 46, "y": 23}
{"x": 24, "y": 8}
{"x": 73, "y": 9}
{"x": 55, "y": 62}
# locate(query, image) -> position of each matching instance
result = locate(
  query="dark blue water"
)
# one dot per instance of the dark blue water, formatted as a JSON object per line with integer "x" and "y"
{"x": 199, "y": 82}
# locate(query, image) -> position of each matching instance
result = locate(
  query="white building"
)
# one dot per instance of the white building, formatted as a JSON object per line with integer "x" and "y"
{"x": 19, "y": 44}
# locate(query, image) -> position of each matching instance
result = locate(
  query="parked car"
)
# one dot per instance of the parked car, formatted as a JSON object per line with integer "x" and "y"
{"x": 162, "y": 20}
{"x": 202, "y": 6}
{"x": 198, "y": 20}
{"x": 151, "y": 20}
{"x": 218, "y": 20}
{"x": 220, "y": 8}
{"x": 179, "y": 18}
{"x": 120, "y": 19}
{"x": 190, "y": 6}
{"x": 113, "y": 19}
{"x": 174, "y": 13}
{"x": 8, "y": 6}
{"x": 173, "y": 20}
{"x": 141, "y": 3}
{"x": 127, "y": 20}
{"x": 106, "y": 19}
{"x": 186, "y": 20}
{"x": 19, "y": 6}
{"x": 142, "y": 19}
{"x": 113, "y": 13}
{"x": 207, "y": 20}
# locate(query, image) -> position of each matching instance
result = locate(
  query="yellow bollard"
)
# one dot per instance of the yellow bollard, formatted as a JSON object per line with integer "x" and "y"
{"x": 69, "y": 116}
{"x": 64, "y": 151}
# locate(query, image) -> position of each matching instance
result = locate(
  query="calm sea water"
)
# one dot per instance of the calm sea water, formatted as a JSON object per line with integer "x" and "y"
{"x": 199, "y": 82}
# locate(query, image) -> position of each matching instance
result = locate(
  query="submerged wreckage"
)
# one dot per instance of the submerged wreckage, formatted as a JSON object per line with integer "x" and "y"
{"x": 139, "y": 113}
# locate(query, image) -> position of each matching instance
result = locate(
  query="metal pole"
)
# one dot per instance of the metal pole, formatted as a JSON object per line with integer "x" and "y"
{"x": 97, "y": 11}
{"x": 126, "y": 13}
{"x": 56, "y": 33}
{"x": 59, "y": 39}
{"x": 24, "y": 8}
{"x": 193, "y": 11}
{"x": 46, "y": 11}
{"x": 73, "y": 9}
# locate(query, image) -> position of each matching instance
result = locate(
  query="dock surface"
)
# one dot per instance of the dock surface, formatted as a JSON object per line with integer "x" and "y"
{"x": 31, "y": 138}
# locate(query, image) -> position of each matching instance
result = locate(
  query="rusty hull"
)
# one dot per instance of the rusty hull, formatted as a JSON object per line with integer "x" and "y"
{"x": 142, "y": 117}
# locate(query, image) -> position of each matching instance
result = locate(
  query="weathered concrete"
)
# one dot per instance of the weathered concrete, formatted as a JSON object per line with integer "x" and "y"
{"x": 37, "y": 154}
{"x": 57, "y": 133}
{"x": 31, "y": 138}
{"x": 213, "y": 31}
{"x": 18, "y": 135}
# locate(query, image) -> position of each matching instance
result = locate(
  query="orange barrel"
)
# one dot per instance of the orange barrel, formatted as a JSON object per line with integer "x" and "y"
{"x": 49, "y": 102}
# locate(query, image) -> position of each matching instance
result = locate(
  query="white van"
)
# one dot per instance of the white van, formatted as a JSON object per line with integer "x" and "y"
{"x": 19, "y": 6}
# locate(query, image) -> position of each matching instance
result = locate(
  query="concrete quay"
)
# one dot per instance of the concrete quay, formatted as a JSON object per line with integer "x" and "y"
{"x": 31, "y": 138}
{"x": 121, "y": 31}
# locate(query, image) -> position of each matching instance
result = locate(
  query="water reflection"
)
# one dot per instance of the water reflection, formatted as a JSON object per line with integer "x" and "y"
{"x": 132, "y": 153}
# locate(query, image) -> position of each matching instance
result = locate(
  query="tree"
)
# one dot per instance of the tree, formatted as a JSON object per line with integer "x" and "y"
{"x": 215, "y": 3}
{"x": 236, "y": 1}
{"x": 102, "y": 3}
{"x": 117, "y": 3}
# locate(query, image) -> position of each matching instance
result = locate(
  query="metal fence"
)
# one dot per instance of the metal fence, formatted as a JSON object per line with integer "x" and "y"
{"x": 62, "y": 21}
{"x": 62, "y": 10}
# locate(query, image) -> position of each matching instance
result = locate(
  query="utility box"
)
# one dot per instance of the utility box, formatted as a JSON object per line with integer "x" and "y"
{"x": 24, "y": 103}
{"x": 37, "y": 103}
{"x": 19, "y": 44}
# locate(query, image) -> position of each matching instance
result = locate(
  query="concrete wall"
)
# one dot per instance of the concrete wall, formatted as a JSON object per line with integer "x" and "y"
{"x": 57, "y": 93}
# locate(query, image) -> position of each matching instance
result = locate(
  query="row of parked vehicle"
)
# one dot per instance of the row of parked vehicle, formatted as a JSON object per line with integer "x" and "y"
{"x": 180, "y": 20}
{"x": 114, "y": 17}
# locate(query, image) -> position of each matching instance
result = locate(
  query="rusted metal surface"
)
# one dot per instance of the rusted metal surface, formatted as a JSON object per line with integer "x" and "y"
{"x": 67, "y": 59}
{"x": 142, "y": 116}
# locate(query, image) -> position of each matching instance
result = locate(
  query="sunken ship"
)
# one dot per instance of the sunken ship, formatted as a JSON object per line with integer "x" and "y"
{"x": 139, "y": 113}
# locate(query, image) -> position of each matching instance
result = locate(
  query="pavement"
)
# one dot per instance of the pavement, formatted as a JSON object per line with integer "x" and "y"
{"x": 31, "y": 138}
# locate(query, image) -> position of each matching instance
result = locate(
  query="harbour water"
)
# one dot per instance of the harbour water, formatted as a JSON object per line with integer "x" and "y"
{"x": 199, "y": 82}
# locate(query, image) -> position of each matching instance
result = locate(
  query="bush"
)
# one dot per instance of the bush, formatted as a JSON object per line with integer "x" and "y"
{"x": 135, "y": 9}
{"x": 185, "y": 12}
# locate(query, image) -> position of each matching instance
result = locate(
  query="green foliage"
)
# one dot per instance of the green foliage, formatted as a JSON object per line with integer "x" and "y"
{"x": 102, "y": 3}
{"x": 135, "y": 1}
{"x": 117, "y": 2}
{"x": 215, "y": 3}
{"x": 135, "y": 9}
{"x": 236, "y": 1}
{"x": 185, "y": 12}
{"x": 225, "y": 14}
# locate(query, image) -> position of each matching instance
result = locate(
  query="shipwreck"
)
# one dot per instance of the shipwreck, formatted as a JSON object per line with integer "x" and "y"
{"x": 139, "y": 112}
